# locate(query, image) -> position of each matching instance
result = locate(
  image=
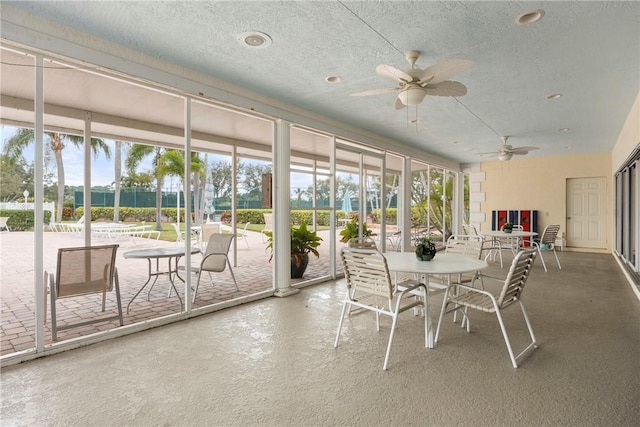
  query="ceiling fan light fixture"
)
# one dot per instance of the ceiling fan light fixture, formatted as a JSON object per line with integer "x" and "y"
{"x": 505, "y": 156}
{"x": 412, "y": 96}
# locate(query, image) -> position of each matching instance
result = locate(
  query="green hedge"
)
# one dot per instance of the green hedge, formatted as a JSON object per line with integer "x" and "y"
{"x": 23, "y": 220}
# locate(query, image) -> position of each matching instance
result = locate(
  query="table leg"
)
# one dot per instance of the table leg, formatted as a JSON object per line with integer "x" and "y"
{"x": 143, "y": 286}
{"x": 173, "y": 285}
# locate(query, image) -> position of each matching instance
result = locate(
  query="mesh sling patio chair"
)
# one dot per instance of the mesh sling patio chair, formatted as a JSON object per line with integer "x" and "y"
{"x": 367, "y": 270}
{"x": 462, "y": 297}
{"x": 83, "y": 271}
{"x": 547, "y": 242}
{"x": 214, "y": 259}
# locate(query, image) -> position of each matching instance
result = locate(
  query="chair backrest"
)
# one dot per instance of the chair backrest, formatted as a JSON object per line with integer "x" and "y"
{"x": 81, "y": 220}
{"x": 549, "y": 234}
{"x": 3, "y": 221}
{"x": 518, "y": 227}
{"x": 244, "y": 230}
{"x": 517, "y": 277}
{"x": 367, "y": 271}
{"x": 470, "y": 246}
{"x": 85, "y": 270}
{"x": 178, "y": 232}
{"x": 470, "y": 230}
{"x": 206, "y": 231}
{"x": 268, "y": 221}
{"x": 215, "y": 256}
{"x": 362, "y": 243}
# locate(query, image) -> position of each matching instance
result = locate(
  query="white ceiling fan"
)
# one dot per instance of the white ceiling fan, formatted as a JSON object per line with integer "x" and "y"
{"x": 414, "y": 84}
{"x": 507, "y": 151}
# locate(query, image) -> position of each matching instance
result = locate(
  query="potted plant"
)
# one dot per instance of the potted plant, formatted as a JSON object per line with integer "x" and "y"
{"x": 507, "y": 227}
{"x": 351, "y": 230}
{"x": 303, "y": 242}
{"x": 425, "y": 249}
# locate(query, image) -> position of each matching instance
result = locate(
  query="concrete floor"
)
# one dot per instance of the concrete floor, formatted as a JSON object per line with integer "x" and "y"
{"x": 272, "y": 363}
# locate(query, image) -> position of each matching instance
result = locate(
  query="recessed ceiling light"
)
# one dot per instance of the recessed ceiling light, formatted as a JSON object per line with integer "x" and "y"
{"x": 255, "y": 39}
{"x": 333, "y": 79}
{"x": 554, "y": 96}
{"x": 568, "y": 147}
{"x": 563, "y": 130}
{"x": 530, "y": 17}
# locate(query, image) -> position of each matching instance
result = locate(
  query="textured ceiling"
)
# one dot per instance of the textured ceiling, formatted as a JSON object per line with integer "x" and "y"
{"x": 588, "y": 51}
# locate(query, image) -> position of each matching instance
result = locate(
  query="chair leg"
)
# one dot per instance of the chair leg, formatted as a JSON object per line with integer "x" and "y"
{"x": 344, "y": 309}
{"x": 393, "y": 329}
{"x": 193, "y": 300}
{"x": 557, "y": 260}
{"x": 117, "y": 286}
{"x": 506, "y": 338}
{"x": 541, "y": 258}
{"x": 233, "y": 276}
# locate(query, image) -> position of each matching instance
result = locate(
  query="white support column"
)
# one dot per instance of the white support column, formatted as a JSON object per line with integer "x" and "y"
{"x": 383, "y": 204}
{"x": 38, "y": 189}
{"x": 404, "y": 202}
{"x": 332, "y": 211}
{"x": 281, "y": 210}
{"x": 187, "y": 199}
{"x": 87, "y": 178}
{"x": 234, "y": 189}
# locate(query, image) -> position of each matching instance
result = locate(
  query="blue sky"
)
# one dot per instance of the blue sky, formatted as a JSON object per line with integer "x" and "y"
{"x": 102, "y": 169}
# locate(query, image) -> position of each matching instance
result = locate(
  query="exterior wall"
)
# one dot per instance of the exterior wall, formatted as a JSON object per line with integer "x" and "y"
{"x": 540, "y": 183}
{"x": 629, "y": 137}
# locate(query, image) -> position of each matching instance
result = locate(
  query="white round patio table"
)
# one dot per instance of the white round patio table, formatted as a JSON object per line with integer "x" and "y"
{"x": 442, "y": 263}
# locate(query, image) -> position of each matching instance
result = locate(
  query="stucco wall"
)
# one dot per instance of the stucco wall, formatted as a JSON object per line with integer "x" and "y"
{"x": 540, "y": 183}
{"x": 629, "y": 137}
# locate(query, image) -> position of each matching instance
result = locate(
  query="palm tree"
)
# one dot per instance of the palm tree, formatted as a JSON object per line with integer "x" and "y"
{"x": 137, "y": 152}
{"x": 15, "y": 145}
{"x": 172, "y": 163}
{"x": 118, "y": 179}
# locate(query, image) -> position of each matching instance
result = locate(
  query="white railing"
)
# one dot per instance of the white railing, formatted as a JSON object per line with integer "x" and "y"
{"x": 15, "y": 206}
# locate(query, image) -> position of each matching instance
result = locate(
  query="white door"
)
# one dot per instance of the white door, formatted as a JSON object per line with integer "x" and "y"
{"x": 586, "y": 212}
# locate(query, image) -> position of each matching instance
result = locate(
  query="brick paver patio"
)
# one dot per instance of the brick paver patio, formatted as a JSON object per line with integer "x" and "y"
{"x": 17, "y": 314}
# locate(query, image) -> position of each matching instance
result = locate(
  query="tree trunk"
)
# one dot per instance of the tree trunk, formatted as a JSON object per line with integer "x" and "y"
{"x": 118, "y": 175}
{"x": 60, "y": 170}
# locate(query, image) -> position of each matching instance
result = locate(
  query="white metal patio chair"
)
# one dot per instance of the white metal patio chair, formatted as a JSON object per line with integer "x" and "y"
{"x": 547, "y": 242}
{"x": 463, "y": 297}
{"x": 367, "y": 270}
{"x": 214, "y": 259}
{"x": 268, "y": 225}
{"x": 3, "y": 223}
{"x": 242, "y": 235}
{"x": 83, "y": 271}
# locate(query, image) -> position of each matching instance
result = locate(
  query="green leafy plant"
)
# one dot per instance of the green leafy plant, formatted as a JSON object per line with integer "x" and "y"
{"x": 425, "y": 248}
{"x": 303, "y": 242}
{"x": 351, "y": 230}
{"x": 507, "y": 226}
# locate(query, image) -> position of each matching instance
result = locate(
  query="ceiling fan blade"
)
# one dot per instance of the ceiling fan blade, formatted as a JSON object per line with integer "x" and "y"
{"x": 399, "y": 105}
{"x": 489, "y": 153}
{"x": 522, "y": 150}
{"x": 447, "y": 88}
{"x": 445, "y": 70}
{"x": 393, "y": 73}
{"x": 375, "y": 91}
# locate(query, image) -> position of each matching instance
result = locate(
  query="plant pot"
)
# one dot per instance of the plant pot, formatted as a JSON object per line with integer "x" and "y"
{"x": 507, "y": 230}
{"x": 425, "y": 253}
{"x": 299, "y": 264}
